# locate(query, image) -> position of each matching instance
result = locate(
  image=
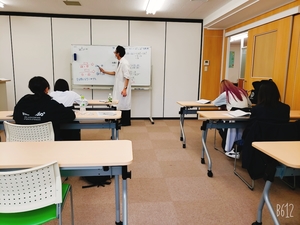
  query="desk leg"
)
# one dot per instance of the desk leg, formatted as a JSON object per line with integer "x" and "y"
{"x": 125, "y": 203}
{"x": 117, "y": 199}
{"x": 265, "y": 199}
{"x": 204, "y": 149}
{"x": 181, "y": 122}
{"x": 117, "y": 134}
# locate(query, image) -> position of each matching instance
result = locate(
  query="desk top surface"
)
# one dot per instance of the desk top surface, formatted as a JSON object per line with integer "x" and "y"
{"x": 295, "y": 114}
{"x": 66, "y": 153}
{"x": 97, "y": 115}
{"x": 285, "y": 152}
{"x": 101, "y": 102}
{"x": 80, "y": 115}
{"x": 195, "y": 104}
{"x": 219, "y": 115}
{"x": 223, "y": 115}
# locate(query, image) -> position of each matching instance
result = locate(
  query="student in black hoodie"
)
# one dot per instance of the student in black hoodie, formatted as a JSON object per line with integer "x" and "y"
{"x": 39, "y": 107}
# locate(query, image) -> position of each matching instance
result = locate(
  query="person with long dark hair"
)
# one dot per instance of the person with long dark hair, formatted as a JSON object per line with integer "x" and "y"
{"x": 269, "y": 107}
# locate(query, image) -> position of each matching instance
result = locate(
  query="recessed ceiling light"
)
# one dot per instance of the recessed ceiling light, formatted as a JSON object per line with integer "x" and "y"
{"x": 1, "y": 5}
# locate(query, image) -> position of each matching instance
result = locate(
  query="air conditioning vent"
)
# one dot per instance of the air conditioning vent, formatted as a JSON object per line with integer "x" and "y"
{"x": 74, "y": 3}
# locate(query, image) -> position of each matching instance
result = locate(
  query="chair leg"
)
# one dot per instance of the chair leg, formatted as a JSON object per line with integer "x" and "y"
{"x": 292, "y": 186}
{"x": 215, "y": 137}
{"x": 71, "y": 200}
{"x": 250, "y": 186}
{"x": 59, "y": 208}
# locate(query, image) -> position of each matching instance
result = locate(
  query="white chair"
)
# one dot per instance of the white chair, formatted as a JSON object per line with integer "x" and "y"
{"x": 33, "y": 196}
{"x": 28, "y": 132}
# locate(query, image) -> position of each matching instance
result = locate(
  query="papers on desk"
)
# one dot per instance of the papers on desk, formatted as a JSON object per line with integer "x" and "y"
{"x": 238, "y": 113}
{"x": 203, "y": 101}
{"x": 108, "y": 113}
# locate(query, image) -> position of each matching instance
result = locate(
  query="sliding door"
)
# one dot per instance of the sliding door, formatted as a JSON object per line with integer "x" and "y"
{"x": 268, "y": 53}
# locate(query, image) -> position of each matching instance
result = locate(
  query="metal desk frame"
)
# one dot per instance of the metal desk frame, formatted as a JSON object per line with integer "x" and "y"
{"x": 216, "y": 124}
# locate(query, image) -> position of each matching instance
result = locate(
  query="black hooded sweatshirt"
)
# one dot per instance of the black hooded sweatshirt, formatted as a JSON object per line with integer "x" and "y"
{"x": 33, "y": 109}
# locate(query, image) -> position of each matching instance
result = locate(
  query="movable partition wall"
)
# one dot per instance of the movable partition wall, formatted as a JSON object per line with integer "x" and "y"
{"x": 41, "y": 46}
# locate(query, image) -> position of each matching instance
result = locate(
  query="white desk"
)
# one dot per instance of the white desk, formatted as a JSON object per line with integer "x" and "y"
{"x": 75, "y": 158}
{"x": 3, "y": 94}
{"x": 95, "y": 102}
{"x": 285, "y": 152}
{"x": 87, "y": 120}
{"x": 190, "y": 107}
{"x": 215, "y": 120}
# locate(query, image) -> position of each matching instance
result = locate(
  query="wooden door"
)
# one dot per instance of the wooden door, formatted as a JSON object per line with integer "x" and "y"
{"x": 268, "y": 53}
{"x": 293, "y": 81}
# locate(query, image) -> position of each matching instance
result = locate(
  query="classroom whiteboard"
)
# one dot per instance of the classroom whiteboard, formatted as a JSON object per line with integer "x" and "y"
{"x": 86, "y": 58}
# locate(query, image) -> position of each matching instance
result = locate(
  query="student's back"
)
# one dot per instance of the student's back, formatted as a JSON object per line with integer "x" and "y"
{"x": 63, "y": 95}
{"x": 279, "y": 113}
{"x": 39, "y": 107}
{"x": 269, "y": 108}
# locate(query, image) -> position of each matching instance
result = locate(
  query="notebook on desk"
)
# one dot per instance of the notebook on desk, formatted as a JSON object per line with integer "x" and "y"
{"x": 238, "y": 113}
{"x": 203, "y": 101}
{"x": 108, "y": 113}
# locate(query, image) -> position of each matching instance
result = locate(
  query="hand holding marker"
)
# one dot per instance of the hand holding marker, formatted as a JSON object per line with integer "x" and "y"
{"x": 101, "y": 69}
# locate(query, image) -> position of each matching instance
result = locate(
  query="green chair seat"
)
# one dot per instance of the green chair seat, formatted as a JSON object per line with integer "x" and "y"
{"x": 34, "y": 217}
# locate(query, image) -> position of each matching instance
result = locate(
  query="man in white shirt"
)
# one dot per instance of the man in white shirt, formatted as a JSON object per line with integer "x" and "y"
{"x": 122, "y": 85}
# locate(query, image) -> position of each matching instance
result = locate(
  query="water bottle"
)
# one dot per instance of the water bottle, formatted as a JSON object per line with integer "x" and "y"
{"x": 82, "y": 104}
{"x": 109, "y": 98}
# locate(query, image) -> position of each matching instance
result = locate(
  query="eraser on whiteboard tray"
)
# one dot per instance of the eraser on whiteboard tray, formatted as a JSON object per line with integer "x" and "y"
{"x": 75, "y": 57}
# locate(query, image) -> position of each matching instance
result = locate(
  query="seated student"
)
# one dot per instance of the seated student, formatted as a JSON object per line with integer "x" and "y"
{"x": 269, "y": 108}
{"x": 232, "y": 97}
{"x": 274, "y": 115}
{"x": 39, "y": 107}
{"x": 63, "y": 95}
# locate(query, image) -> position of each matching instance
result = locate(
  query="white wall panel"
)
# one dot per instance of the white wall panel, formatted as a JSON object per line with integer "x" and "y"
{"x": 108, "y": 32}
{"x": 143, "y": 33}
{"x": 65, "y": 33}
{"x": 41, "y": 46}
{"x": 32, "y": 51}
{"x": 6, "y": 69}
{"x": 182, "y": 65}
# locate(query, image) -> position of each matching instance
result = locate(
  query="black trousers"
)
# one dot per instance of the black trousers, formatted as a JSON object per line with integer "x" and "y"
{"x": 126, "y": 118}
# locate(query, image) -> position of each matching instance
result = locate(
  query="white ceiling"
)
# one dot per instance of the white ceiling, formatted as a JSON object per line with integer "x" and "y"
{"x": 217, "y": 14}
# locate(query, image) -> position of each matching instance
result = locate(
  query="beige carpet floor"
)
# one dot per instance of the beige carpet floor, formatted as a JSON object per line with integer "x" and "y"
{"x": 170, "y": 186}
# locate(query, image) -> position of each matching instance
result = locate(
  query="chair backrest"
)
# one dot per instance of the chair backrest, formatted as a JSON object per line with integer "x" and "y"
{"x": 30, "y": 189}
{"x": 28, "y": 132}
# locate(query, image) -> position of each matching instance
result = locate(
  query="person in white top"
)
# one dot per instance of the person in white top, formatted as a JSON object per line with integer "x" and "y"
{"x": 63, "y": 95}
{"x": 122, "y": 85}
{"x": 232, "y": 97}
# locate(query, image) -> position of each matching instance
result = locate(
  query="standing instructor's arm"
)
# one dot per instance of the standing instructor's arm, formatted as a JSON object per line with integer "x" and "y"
{"x": 107, "y": 72}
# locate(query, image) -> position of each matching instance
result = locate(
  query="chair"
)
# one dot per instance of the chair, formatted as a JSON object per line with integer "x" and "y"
{"x": 250, "y": 186}
{"x": 33, "y": 196}
{"x": 258, "y": 164}
{"x": 28, "y": 132}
